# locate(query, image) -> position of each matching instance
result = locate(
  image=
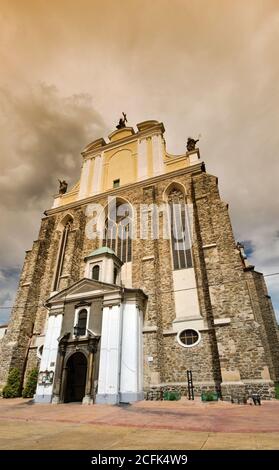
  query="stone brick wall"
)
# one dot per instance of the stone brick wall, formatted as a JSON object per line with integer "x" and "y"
{"x": 265, "y": 317}
{"x": 14, "y": 346}
{"x": 239, "y": 336}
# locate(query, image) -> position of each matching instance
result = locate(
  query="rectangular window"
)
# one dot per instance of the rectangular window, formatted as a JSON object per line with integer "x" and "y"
{"x": 116, "y": 183}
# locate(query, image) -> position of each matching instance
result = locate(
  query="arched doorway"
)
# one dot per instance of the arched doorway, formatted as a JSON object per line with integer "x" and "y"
{"x": 76, "y": 377}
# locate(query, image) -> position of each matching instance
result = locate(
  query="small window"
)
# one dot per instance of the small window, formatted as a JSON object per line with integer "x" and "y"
{"x": 188, "y": 338}
{"x": 82, "y": 322}
{"x": 115, "y": 272}
{"x": 40, "y": 352}
{"x": 96, "y": 272}
{"x": 116, "y": 183}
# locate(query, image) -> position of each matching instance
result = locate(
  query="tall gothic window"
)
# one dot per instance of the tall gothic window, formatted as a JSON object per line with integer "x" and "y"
{"x": 180, "y": 237}
{"x": 118, "y": 231}
{"x": 61, "y": 254}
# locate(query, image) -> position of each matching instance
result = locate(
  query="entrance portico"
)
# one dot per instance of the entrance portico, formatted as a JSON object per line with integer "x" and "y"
{"x": 103, "y": 362}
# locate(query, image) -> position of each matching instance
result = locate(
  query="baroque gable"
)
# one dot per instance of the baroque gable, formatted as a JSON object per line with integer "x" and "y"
{"x": 81, "y": 288}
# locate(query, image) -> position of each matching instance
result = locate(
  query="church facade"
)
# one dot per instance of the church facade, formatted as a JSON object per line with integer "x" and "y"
{"x": 135, "y": 279}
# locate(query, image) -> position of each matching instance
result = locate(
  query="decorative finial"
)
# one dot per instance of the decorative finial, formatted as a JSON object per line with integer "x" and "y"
{"x": 191, "y": 144}
{"x": 122, "y": 121}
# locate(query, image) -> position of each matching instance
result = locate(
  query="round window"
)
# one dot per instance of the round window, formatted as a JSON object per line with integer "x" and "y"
{"x": 188, "y": 338}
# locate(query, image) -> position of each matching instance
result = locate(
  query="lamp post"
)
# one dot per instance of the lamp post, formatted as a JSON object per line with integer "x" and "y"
{"x": 77, "y": 331}
{"x": 77, "y": 334}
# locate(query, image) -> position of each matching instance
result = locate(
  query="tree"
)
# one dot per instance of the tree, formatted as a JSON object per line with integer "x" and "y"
{"x": 31, "y": 384}
{"x": 12, "y": 388}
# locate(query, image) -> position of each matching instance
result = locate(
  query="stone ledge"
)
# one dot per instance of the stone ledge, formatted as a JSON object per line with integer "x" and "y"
{"x": 150, "y": 329}
{"x": 222, "y": 321}
{"x": 169, "y": 332}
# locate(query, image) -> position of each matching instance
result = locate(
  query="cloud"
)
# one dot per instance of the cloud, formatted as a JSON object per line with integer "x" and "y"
{"x": 201, "y": 67}
{"x": 8, "y": 284}
{"x": 43, "y": 133}
{"x": 41, "y": 139}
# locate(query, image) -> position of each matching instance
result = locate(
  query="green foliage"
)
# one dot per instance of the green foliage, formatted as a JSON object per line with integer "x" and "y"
{"x": 12, "y": 388}
{"x": 31, "y": 384}
{"x": 277, "y": 390}
{"x": 171, "y": 396}
{"x": 209, "y": 396}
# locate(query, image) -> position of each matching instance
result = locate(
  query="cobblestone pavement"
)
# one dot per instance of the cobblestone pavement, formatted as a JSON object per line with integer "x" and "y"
{"x": 144, "y": 425}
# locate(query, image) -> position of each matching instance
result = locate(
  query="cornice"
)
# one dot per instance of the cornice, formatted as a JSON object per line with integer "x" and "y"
{"x": 193, "y": 169}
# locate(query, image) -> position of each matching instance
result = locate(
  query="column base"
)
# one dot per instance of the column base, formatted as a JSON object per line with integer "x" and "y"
{"x": 56, "y": 400}
{"x": 42, "y": 398}
{"x": 130, "y": 397}
{"x": 87, "y": 400}
{"x": 105, "y": 398}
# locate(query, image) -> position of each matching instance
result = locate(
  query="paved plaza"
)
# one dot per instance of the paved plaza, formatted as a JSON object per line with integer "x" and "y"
{"x": 143, "y": 425}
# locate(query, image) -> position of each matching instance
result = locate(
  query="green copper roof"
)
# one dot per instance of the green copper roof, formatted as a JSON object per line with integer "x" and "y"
{"x": 101, "y": 251}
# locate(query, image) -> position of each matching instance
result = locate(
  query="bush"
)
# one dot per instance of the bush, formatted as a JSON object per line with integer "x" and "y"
{"x": 31, "y": 384}
{"x": 172, "y": 395}
{"x": 209, "y": 396}
{"x": 277, "y": 390}
{"x": 12, "y": 388}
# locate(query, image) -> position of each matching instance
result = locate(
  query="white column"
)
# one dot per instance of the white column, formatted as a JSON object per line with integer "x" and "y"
{"x": 109, "y": 368}
{"x": 49, "y": 356}
{"x": 97, "y": 177}
{"x": 131, "y": 370}
{"x": 84, "y": 179}
{"x": 142, "y": 160}
{"x": 157, "y": 150}
{"x": 140, "y": 354}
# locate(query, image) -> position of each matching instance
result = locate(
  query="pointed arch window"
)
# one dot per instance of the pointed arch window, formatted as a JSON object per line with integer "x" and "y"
{"x": 118, "y": 230}
{"x": 180, "y": 233}
{"x": 61, "y": 254}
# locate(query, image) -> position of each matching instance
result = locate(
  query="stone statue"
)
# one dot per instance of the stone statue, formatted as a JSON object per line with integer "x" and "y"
{"x": 122, "y": 122}
{"x": 191, "y": 144}
{"x": 63, "y": 185}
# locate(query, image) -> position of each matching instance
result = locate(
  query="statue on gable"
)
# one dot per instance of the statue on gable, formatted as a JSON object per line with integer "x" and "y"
{"x": 63, "y": 185}
{"x": 191, "y": 144}
{"x": 122, "y": 121}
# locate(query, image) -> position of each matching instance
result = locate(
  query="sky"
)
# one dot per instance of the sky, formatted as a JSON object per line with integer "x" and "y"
{"x": 206, "y": 69}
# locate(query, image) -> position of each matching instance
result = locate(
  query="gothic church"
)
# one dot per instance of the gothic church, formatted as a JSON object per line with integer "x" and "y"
{"x": 135, "y": 279}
